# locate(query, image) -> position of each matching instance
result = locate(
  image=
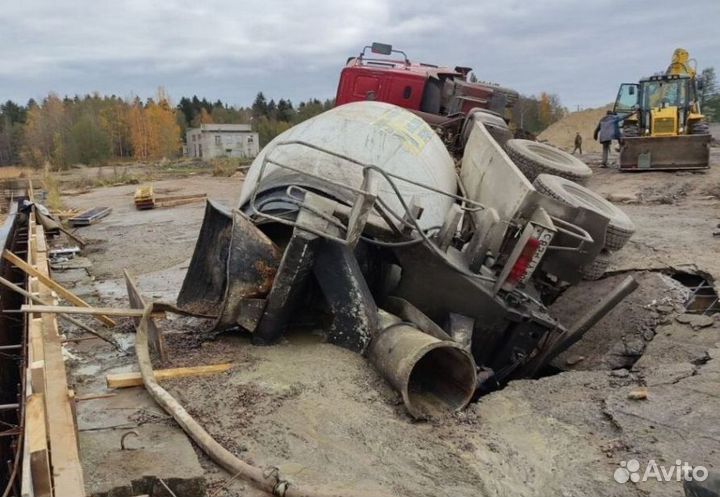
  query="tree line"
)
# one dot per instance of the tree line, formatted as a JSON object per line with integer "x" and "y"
{"x": 535, "y": 113}
{"x": 710, "y": 94}
{"x": 94, "y": 129}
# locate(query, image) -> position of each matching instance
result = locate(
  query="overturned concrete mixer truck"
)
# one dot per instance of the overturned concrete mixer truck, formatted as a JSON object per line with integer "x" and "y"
{"x": 359, "y": 220}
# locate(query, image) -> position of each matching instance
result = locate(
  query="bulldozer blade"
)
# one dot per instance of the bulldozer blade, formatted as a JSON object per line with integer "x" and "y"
{"x": 233, "y": 261}
{"x": 667, "y": 153}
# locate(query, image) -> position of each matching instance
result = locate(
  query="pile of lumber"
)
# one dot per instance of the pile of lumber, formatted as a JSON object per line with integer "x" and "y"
{"x": 145, "y": 199}
{"x": 180, "y": 199}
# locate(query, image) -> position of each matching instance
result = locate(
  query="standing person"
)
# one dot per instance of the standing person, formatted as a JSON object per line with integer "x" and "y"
{"x": 578, "y": 143}
{"x": 606, "y": 131}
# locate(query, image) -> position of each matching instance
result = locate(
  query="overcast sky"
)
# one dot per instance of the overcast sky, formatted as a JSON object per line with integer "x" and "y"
{"x": 231, "y": 49}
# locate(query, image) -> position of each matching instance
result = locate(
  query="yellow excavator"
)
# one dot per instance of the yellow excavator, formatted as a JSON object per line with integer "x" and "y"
{"x": 664, "y": 128}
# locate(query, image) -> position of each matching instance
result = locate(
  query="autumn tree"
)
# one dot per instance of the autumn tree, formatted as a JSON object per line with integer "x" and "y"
{"x": 46, "y": 133}
{"x": 139, "y": 130}
{"x": 164, "y": 132}
{"x": 114, "y": 118}
{"x": 534, "y": 114}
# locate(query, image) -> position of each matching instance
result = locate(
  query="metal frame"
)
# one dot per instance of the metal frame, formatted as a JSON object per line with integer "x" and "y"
{"x": 366, "y": 194}
{"x": 580, "y": 234}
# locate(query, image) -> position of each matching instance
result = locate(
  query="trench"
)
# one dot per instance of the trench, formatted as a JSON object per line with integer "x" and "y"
{"x": 703, "y": 298}
{"x": 687, "y": 292}
{"x": 13, "y": 236}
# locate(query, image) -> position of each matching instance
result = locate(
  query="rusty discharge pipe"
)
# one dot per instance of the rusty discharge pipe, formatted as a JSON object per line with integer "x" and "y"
{"x": 433, "y": 376}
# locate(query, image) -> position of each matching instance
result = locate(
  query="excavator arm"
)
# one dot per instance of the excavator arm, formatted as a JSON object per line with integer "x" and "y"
{"x": 680, "y": 64}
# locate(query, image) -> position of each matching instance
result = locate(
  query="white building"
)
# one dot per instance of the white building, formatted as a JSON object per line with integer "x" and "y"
{"x": 222, "y": 140}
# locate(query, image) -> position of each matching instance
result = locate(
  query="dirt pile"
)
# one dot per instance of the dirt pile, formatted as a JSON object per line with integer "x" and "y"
{"x": 562, "y": 133}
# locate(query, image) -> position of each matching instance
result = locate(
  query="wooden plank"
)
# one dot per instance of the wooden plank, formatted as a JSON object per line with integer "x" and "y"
{"x": 80, "y": 398}
{"x": 155, "y": 337}
{"x": 63, "y": 441}
{"x": 40, "y": 241}
{"x": 37, "y": 376}
{"x": 175, "y": 203}
{"x": 172, "y": 198}
{"x": 134, "y": 379}
{"x": 32, "y": 249}
{"x": 73, "y": 408}
{"x": 81, "y": 339}
{"x": 33, "y": 298}
{"x": 93, "y": 311}
{"x": 37, "y": 444}
{"x": 26, "y": 489}
{"x": 67, "y": 470}
{"x": 37, "y": 351}
{"x": 52, "y": 284}
{"x": 73, "y": 236}
{"x": 31, "y": 191}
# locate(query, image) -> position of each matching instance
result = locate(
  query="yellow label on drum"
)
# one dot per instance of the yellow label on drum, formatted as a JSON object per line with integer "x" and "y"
{"x": 415, "y": 133}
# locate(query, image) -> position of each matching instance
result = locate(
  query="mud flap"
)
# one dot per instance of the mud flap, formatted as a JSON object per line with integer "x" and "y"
{"x": 668, "y": 153}
{"x": 233, "y": 260}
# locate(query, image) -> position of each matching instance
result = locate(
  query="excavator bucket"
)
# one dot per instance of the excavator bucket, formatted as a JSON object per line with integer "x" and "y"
{"x": 667, "y": 153}
{"x": 233, "y": 261}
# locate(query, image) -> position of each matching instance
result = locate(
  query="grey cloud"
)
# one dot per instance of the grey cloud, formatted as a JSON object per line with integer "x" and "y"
{"x": 295, "y": 48}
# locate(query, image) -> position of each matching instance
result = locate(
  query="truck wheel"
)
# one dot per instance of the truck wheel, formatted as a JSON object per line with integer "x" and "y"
{"x": 596, "y": 268}
{"x": 493, "y": 122}
{"x": 620, "y": 228}
{"x": 534, "y": 158}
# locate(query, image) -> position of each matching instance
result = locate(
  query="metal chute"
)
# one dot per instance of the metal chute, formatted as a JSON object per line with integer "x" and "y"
{"x": 233, "y": 260}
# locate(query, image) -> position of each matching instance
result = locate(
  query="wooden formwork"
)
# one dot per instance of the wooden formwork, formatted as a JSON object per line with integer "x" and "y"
{"x": 51, "y": 458}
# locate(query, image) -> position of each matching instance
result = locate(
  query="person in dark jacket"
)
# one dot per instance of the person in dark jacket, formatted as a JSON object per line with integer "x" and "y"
{"x": 578, "y": 143}
{"x": 607, "y": 130}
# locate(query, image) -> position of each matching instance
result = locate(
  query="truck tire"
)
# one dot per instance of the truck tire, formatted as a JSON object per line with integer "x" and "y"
{"x": 535, "y": 158}
{"x": 493, "y": 122}
{"x": 597, "y": 267}
{"x": 620, "y": 227}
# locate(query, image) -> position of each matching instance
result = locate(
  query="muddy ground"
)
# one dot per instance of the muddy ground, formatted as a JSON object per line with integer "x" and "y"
{"x": 324, "y": 417}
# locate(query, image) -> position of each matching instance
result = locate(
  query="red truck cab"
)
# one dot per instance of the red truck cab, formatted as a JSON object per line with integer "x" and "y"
{"x": 423, "y": 88}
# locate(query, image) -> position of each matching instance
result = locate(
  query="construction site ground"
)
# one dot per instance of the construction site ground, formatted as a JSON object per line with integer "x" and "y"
{"x": 324, "y": 417}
